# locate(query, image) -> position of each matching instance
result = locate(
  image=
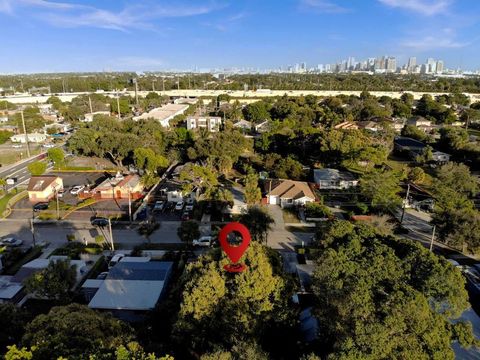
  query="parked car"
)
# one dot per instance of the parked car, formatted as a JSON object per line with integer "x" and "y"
{"x": 179, "y": 205}
{"x": 187, "y": 215}
{"x": 10, "y": 241}
{"x": 115, "y": 260}
{"x": 99, "y": 221}
{"x": 17, "y": 146}
{"x": 189, "y": 207}
{"x": 60, "y": 193}
{"x": 76, "y": 189}
{"x": 203, "y": 241}
{"x": 159, "y": 206}
{"x": 102, "y": 276}
{"x": 48, "y": 146}
{"x": 40, "y": 206}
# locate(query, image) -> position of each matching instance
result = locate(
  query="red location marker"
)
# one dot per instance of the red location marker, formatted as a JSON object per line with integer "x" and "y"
{"x": 234, "y": 253}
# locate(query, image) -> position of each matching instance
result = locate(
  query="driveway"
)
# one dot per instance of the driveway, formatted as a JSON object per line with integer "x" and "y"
{"x": 279, "y": 238}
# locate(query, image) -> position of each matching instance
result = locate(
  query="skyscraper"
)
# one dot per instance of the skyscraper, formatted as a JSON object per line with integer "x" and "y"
{"x": 412, "y": 63}
{"x": 391, "y": 64}
{"x": 440, "y": 67}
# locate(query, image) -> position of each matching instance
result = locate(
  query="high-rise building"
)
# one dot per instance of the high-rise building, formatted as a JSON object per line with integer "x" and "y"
{"x": 391, "y": 64}
{"x": 440, "y": 67}
{"x": 412, "y": 63}
{"x": 431, "y": 66}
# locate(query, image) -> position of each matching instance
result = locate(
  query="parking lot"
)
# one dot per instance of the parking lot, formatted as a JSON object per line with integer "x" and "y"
{"x": 23, "y": 209}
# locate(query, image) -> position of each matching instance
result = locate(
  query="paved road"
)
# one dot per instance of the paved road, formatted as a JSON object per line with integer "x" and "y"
{"x": 19, "y": 171}
{"x": 56, "y": 233}
{"x": 280, "y": 238}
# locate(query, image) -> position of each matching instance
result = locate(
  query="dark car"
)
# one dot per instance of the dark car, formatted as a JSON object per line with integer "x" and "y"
{"x": 40, "y": 206}
{"x": 187, "y": 215}
{"x": 99, "y": 221}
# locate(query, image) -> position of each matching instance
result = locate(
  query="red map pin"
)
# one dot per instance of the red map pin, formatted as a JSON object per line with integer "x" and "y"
{"x": 234, "y": 253}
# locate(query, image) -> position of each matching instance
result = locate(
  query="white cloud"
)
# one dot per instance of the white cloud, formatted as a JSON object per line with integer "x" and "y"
{"x": 141, "y": 15}
{"x": 323, "y": 6}
{"x": 424, "y": 7}
{"x": 444, "y": 39}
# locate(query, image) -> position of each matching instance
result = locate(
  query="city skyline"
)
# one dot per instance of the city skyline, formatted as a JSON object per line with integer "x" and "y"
{"x": 146, "y": 35}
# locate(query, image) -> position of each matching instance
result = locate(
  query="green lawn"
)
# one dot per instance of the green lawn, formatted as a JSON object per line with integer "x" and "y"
{"x": 9, "y": 157}
{"x": 290, "y": 216}
{"x": 4, "y": 201}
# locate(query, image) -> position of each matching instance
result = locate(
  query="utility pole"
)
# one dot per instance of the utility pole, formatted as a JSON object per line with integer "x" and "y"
{"x": 25, "y": 132}
{"x": 90, "y": 104}
{"x": 405, "y": 203}
{"x": 118, "y": 106}
{"x": 136, "y": 90}
{"x": 63, "y": 85}
{"x": 129, "y": 204}
{"x": 32, "y": 228}
{"x": 111, "y": 234}
{"x": 433, "y": 237}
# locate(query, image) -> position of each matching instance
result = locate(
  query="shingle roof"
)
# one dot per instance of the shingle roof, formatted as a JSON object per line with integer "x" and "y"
{"x": 289, "y": 189}
{"x": 40, "y": 183}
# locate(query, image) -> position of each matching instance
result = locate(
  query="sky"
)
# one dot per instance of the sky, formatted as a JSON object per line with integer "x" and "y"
{"x": 150, "y": 35}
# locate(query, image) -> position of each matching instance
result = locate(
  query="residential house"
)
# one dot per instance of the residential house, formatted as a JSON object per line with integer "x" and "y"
{"x": 346, "y": 125}
{"x": 421, "y": 123}
{"x": 243, "y": 125}
{"x": 32, "y": 138}
{"x": 211, "y": 123}
{"x": 90, "y": 116}
{"x": 413, "y": 148}
{"x": 263, "y": 127}
{"x": 287, "y": 193}
{"x": 118, "y": 187}
{"x": 334, "y": 179}
{"x": 132, "y": 289}
{"x": 12, "y": 289}
{"x": 43, "y": 188}
{"x": 369, "y": 125}
{"x": 164, "y": 113}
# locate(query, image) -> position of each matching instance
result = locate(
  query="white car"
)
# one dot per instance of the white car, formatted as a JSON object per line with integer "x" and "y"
{"x": 76, "y": 189}
{"x": 179, "y": 205}
{"x": 60, "y": 193}
{"x": 48, "y": 146}
{"x": 203, "y": 241}
{"x": 17, "y": 146}
{"x": 10, "y": 241}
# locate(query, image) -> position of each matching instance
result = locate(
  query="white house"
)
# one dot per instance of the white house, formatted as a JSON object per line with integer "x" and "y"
{"x": 334, "y": 179}
{"x": 288, "y": 193}
{"x": 33, "y": 138}
{"x": 211, "y": 123}
{"x": 163, "y": 114}
{"x": 243, "y": 125}
{"x": 440, "y": 157}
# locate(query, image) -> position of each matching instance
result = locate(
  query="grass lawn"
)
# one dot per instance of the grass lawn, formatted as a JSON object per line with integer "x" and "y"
{"x": 10, "y": 157}
{"x": 4, "y": 201}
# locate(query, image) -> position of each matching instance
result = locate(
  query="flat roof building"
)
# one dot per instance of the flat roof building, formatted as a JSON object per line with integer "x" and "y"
{"x": 163, "y": 114}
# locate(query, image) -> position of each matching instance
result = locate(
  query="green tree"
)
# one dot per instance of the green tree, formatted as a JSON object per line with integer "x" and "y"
{"x": 75, "y": 332}
{"x": 14, "y": 353}
{"x": 379, "y": 297}
{"x": 57, "y": 156}
{"x": 54, "y": 282}
{"x": 381, "y": 188}
{"x": 146, "y": 159}
{"x": 124, "y": 106}
{"x": 12, "y": 323}
{"x": 256, "y": 112}
{"x": 413, "y": 132}
{"x": 133, "y": 351}
{"x": 188, "y": 231}
{"x": 252, "y": 192}
{"x": 5, "y": 136}
{"x": 458, "y": 177}
{"x": 230, "y": 309}
{"x": 258, "y": 221}
{"x": 200, "y": 177}
{"x": 37, "y": 168}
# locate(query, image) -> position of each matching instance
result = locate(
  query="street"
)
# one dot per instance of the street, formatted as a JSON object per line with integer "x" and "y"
{"x": 19, "y": 171}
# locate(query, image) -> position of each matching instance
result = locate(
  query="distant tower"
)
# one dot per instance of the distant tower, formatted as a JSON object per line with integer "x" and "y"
{"x": 440, "y": 67}
{"x": 412, "y": 63}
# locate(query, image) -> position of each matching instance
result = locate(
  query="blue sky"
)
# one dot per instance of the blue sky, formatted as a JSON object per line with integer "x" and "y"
{"x": 75, "y": 35}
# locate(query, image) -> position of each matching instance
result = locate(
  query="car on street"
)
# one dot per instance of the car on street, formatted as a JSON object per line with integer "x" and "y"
{"x": 179, "y": 205}
{"x": 48, "y": 146}
{"x": 187, "y": 215}
{"x": 102, "y": 276}
{"x": 99, "y": 221}
{"x": 10, "y": 241}
{"x": 115, "y": 260}
{"x": 159, "y": 206}
{"x": 203, "y": 241}
{"x": 17, "y": 146}
{"x": 40, "y": 206}
{"x": 76, "y": 189}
